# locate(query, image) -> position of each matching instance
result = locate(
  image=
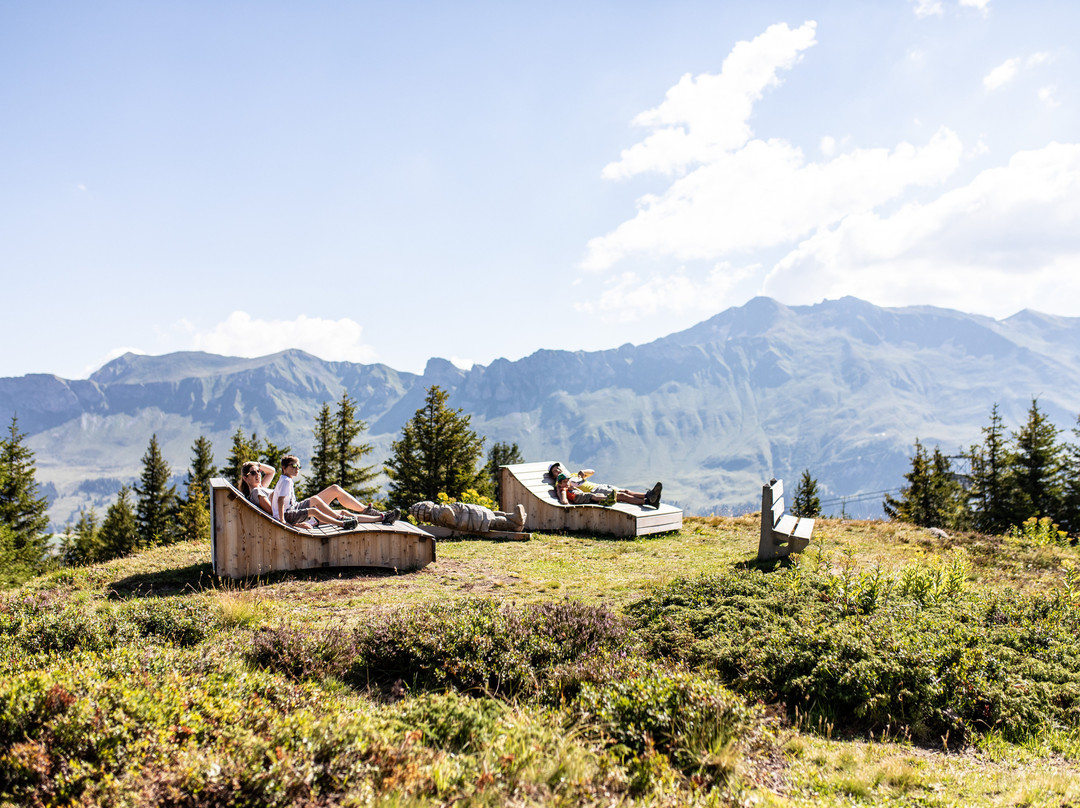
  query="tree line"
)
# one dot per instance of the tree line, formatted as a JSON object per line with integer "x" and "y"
{"x": 1015, "y": 477}
{"x": 437, "y": 454}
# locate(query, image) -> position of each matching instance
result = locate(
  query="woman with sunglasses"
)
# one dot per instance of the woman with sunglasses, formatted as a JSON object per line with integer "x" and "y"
{"x": 255, "y": 479}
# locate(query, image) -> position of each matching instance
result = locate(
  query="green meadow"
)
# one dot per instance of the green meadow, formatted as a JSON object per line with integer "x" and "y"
{"x": 885, "y": 666}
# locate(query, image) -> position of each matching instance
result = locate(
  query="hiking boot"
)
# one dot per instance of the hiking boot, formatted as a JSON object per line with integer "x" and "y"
{"x": 391, "y": 516}
{"x": 349, "y": 522}
{"x": 371, "y": 510}
{"x": 652, "y": 496}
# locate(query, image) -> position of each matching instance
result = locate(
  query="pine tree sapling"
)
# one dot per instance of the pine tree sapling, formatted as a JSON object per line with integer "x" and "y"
{"x": 805, "y": 501}
{"x": 119, "y": 533}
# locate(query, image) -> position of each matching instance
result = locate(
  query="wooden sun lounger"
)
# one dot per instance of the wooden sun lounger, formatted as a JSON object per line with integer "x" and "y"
{"x": 245, "y": 541}
{"x": 530, "y": 485}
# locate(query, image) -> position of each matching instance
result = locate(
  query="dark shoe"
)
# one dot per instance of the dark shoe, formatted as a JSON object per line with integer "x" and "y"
{"x": 348, "y": 522}
{"x": 371, "y": 510}
{"x": 653, "y": 496}
{"x": 391, "y": 516}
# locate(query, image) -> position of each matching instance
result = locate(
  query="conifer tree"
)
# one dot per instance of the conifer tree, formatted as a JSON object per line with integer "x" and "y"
{"x": 437, "y": 453}
{"x": 990, "y": 478}
{"x": 353, "y": 477}
{"x": 1038, "y": 488}
{"x": 119, "y": 534}
{"x": 932, "y": 498}
{"x": 500, "y": 454}
{"x": 22, "y": 510}
{"x": 805, "y": 501}
{"x": 201, "y": 470}
{"x": 320, "y": 473}
{"x": 155, "y": 508}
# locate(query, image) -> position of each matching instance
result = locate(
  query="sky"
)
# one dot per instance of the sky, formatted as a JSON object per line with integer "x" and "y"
{"x": 393, "y": 181}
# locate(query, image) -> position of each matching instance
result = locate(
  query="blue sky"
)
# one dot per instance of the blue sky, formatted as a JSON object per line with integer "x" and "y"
{"x": 385, "y": 182}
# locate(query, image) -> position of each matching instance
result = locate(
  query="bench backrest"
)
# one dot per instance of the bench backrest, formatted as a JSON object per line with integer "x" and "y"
{"x": 772, "y": 499}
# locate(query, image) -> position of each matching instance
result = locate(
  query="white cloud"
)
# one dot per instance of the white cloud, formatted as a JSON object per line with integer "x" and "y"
{"x": 704, "y": 117}
{"x": 1036, "y": 59}
{"x": 630, "y": 297}
{"x": 1002, "y": 74}
{"x": 1010, "y": 239}
{"x": 1048, "y": 95}
{"x": 983, "y": 6}
{"x": 731, "y": 193}
{"x": 241, "y": 335}
{"x": 766, "y": 195}
{"x": 928, "y": 8}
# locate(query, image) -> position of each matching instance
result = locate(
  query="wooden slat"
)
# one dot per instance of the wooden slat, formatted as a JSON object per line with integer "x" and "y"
{"x": 786, "y": 524}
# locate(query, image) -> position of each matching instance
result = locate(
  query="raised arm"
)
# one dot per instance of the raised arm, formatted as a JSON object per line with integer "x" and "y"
{"x": 268, "y": 473}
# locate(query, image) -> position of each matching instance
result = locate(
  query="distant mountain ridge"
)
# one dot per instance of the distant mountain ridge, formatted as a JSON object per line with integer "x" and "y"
{"x": 841, "y": 387}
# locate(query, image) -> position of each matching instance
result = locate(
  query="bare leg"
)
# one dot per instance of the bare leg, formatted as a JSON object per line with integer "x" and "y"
{"x": 347, "y": 500}
{"x": 630, "y": 498}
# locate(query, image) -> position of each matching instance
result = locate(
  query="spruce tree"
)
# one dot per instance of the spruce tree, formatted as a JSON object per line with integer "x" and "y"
{"x": 806, "y": 502}
{"x": 500, "y": 454}
{"x": 155, "y": 508}
{"x": 991, "y": 478}
{"x": 353, "y": 477}
{"x": 201, "y": 470}
{"x": 320, "y": 473}
{"x": 437, "y": 453}
{"x": 1038, "y": 488}
{"x": 119, "y": 534}
{"x": 22, "y": 510}
{"x": 932, "y": 497}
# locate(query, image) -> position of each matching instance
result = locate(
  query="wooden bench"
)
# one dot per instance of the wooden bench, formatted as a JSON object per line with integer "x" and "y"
{"x": 532, "y": 486}
{"x": 245, "y": 541}
{"x": 781, "y": 533}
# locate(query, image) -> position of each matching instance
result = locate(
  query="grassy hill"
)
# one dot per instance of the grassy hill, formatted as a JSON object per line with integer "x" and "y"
{"x": 886, "y": 666}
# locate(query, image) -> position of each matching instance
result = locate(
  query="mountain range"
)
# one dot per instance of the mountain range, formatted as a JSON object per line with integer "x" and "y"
{"x": 842, "y": 388}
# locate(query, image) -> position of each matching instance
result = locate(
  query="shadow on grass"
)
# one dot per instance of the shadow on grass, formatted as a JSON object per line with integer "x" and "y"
{"x": 196, "y": 578}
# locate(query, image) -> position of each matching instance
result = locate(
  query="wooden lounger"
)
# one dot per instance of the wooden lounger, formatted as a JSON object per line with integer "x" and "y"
{"x": 245, "y": 540}
{"x": 530, "y": 485}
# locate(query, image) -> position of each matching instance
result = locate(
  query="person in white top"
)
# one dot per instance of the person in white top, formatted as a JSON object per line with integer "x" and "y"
{"x": 286, "y": 509}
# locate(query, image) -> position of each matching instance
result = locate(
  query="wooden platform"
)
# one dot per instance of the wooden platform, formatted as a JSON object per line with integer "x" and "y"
{"x": 530, "y": 485}
{"x": 245, "y": 541}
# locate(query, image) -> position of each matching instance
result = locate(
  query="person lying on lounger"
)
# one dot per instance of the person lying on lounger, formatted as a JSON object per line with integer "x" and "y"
{"x": 578, "y": 490}
{"x": 286, "y": 509}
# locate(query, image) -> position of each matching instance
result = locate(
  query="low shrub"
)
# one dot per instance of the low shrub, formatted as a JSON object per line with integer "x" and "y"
{"x": 692, "y": 721}
{"x": 544, "y": 650}
{"x": 866, "y": 652}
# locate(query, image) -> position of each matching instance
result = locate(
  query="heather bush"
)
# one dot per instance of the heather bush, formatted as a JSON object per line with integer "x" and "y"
{"x": 545, "y": 650}
{"x": 868, "y": 652}
{"x": 184, "y": 621}
{"x": 691, "y": 721}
